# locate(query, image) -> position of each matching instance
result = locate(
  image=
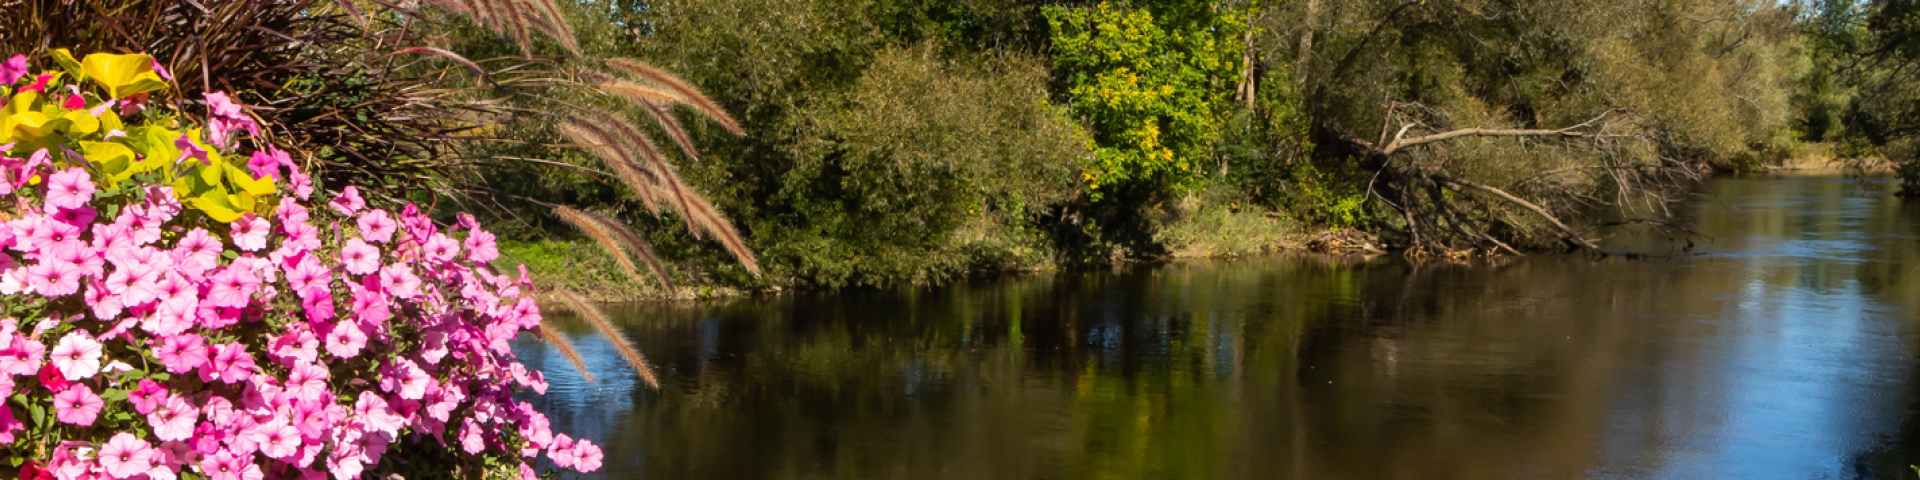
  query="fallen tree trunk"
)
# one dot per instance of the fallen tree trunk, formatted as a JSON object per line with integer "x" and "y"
{"x": 1470, "y": 218}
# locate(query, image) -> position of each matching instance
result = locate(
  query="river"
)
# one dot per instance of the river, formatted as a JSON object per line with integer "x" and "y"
{"x": 1783, "y": 345}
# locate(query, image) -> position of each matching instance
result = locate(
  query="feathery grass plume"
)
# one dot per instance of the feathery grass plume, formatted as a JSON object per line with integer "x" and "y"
{"x": 723, "y": 231}
{"x": 554, "y": 24}
{"x": 620, "y": 342}
{"x": 672, "y": 127}
{"x": 639, "y": 93}
{"x": 634, "y": 139}
{"x": 599, "y": 233}
{"x": 700, "y": 216}
{"x": 559, "y": 341}
{"x": 602, "y": 145}
{"x": 692, "y": 96}
{"x": 636, "y": 245}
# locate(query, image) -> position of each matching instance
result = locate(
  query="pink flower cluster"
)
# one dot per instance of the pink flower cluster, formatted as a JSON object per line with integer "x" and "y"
{"x": 301, "y": 343}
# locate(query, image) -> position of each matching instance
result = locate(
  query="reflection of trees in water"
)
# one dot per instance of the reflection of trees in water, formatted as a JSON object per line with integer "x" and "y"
{"x": 1286, "y": 367}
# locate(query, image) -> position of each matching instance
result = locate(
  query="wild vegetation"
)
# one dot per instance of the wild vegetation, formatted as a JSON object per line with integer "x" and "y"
{"x": 912, "y": 142}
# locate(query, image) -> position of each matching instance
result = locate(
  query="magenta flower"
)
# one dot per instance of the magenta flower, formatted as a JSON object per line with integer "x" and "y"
{"x": 359, "y": 258}
{"x": 227, "y": 117}
{"x": 14, "y": 68}
{"x": 306, "y": 380}
{"x": 77, "y": 405}
{"x": 276, "y": 440}
{"x": 71, "y": 188}
{"x": 182, "y": 353}
{"x": 39, "y": 83}
{"x": 126, "y": 456}
{"x": 301, "y": 184}
{"x": 376, "y": 226}
{"x": 148, "y": 397}
{"x": 250, "y": 233}
{"x": 480, "y": 247}
{"x": 400, "y": 281}
{"x": 77, "y": 356}
{"x": 346, "y": 340}
{"x": 54, "y": 278}
{"x": 232, "y": 287}
{"x": 587, "y": 456}
{"x": 225, "y": 465}
{"x": 190, "y": 150}
{"x": 348, "y": 202}
{"x": 231, "y": 364}
{"x": 561, "y": 451}
{"x": 268, "y": 163}
{"x": 441, "y": 248}
{"x": 309, "y": 278}
{"x": 197, "y": 252}
{"x": 173, "y": 420}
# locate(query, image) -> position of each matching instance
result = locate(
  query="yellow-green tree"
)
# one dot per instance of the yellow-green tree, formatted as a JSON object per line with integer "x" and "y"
{"x": 1152, "y": 85}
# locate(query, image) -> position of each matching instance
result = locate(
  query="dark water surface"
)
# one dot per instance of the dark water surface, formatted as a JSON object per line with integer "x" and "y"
{"x": 1785, "y": 349}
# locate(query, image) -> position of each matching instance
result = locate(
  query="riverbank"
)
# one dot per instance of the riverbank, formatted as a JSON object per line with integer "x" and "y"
{"x": 1200, "y": 226}
{"x": 1195, "y": 228}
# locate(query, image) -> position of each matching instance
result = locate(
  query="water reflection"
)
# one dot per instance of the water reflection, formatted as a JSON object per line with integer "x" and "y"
{"x": 1781, "y": 348}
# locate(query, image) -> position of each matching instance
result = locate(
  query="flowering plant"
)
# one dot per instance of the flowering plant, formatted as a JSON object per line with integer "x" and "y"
{"x": 168, "y": 313}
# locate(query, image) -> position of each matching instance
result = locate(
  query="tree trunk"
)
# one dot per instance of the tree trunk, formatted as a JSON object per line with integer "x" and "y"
{"x": 1306, "y": 43}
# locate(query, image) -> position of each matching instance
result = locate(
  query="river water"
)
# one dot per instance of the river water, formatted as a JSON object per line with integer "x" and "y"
{"x": 1783, "y": 345}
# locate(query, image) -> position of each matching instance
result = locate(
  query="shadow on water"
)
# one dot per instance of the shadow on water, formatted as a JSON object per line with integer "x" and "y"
{"x": 1785, "y": 349}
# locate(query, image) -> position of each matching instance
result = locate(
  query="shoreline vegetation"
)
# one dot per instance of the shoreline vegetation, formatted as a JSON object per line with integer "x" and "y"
{"x": 1201, "y": 233}
{"x": 915, "y": 143}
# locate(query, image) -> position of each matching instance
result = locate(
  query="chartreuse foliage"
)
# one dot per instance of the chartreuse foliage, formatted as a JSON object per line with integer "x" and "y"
{"x": 44, "y": 114}
{"x": 1152, "y": 88}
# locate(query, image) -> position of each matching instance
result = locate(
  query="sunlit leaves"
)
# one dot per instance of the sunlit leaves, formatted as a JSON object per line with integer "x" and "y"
{"x": 122, "y": 75}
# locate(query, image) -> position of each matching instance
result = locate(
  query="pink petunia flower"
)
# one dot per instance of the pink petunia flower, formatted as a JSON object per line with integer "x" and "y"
{"x": 77, "y": 356}
{"x": 54, "y": 278}
{"x": 481, "y": 247}
{"x": 125, "y": 456}
{"x": 77, "y": 405}
{"x": 71, "y": 188}
{"x": 348, "y": 201}
{"x": 23, "y": 357}
{"x": 307, "y": 381}
{"x": 231, "y": 364}
{"x": 276, "y": 439}
{"x": 39, "y": 83}
{"x": 14, "y": 68}
{"x": 182, "y": 353}
{"x": 587, "y": 456}
{"x": 227, "y": 117}
{"x": 400, "y": 281}
{"x": 173, "y": 420}
{"x": 147, "y": 397}
{"x": 441, "y": 248}
{"x": 302, "y": 185}
{"x": 309, "y": 278}
{"x": 376, "y": 226}
{"x": 196, "y": 253}
{"x": 250, "y": 233}
{"x": 359, "y": 258}
{"x": 232, "y": 287}
{"x": 346, "y": 340}
{"x": 561, "y": 451}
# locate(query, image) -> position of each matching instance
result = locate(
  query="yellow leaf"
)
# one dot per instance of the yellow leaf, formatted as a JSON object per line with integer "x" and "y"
{"x": 82, "y": 123}
{"x": 66, "y": 61}
{"x": 122, "y": 75}
{"x": 114, "y": 159}
{"x": 216, "y": 204}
